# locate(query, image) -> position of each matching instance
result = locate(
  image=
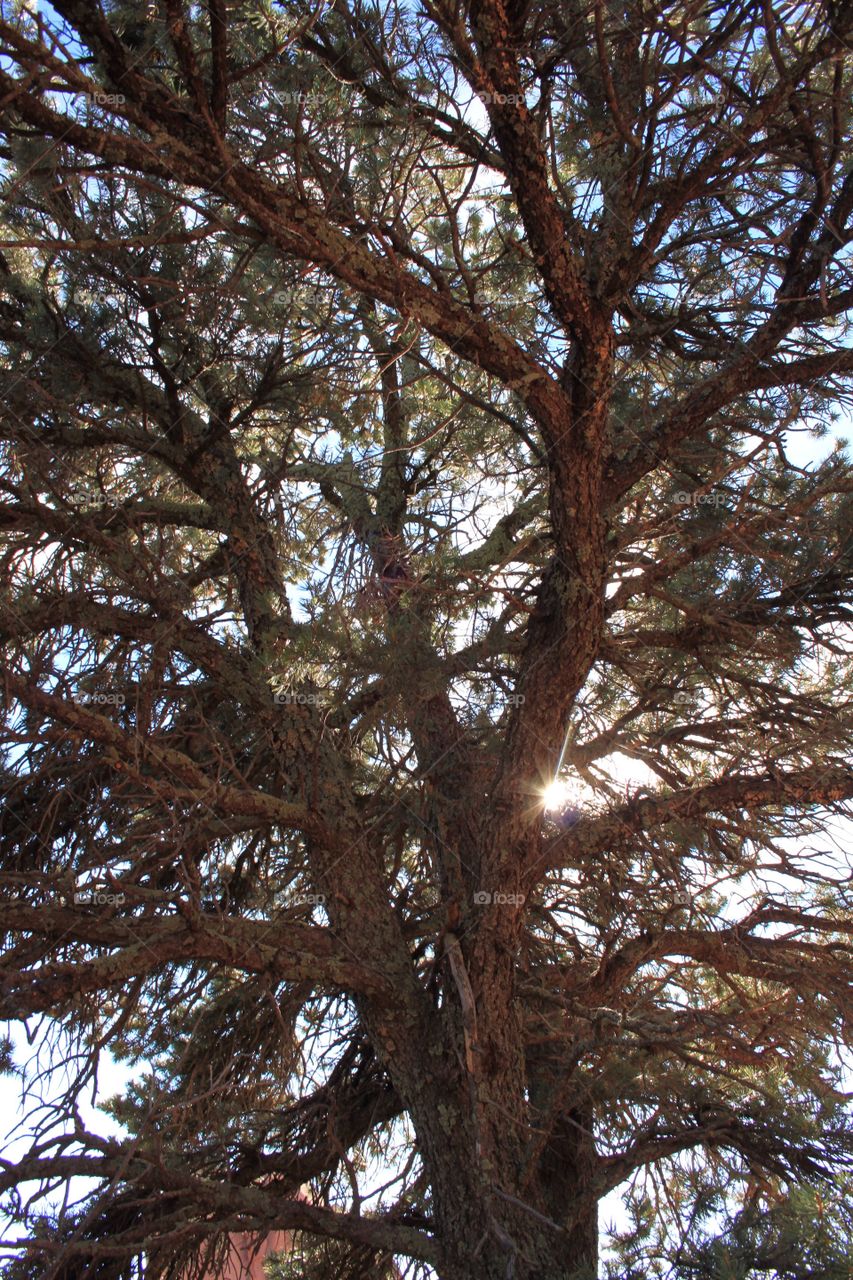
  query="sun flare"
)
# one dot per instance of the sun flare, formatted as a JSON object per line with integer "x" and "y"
{"x": 557, "y": 794}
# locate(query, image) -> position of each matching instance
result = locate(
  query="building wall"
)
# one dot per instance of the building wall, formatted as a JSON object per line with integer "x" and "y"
{"x": 244, "y": 1263}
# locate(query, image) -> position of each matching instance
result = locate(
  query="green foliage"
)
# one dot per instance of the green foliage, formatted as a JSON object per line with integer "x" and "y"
{"x": 783, "y": 1232}
{"x": 317, "y": 1260}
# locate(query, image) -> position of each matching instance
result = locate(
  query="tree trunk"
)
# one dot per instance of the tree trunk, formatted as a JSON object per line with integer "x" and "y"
{"x": 493, "y": 1228}
{"x": 493, "y": 1239}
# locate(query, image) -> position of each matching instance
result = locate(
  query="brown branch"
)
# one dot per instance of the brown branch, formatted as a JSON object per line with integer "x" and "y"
{"x": 816, "y": 785}
{"x": 141, "y": 946}
{"x": 128, "y": 754}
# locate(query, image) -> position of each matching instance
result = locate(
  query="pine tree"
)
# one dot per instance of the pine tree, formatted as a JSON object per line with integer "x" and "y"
{"x": 404, "y": 415}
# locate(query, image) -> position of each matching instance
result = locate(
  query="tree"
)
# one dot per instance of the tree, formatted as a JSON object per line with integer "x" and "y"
{"x": 398, "y": 410}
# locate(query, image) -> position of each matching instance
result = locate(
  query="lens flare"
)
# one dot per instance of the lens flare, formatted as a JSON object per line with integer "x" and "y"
{"x": 558, "y": 794}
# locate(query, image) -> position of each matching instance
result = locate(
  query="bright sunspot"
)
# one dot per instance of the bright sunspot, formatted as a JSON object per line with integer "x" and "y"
{"x": 557, "y": 794}
{"x": 617, "y": 769}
